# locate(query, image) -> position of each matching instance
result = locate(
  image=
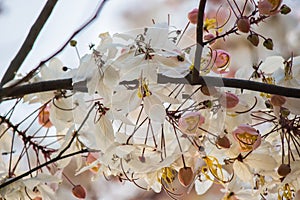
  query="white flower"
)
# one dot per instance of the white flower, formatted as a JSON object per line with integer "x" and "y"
{"x": 151, "y": 52}
{"x": 147, "y": 95}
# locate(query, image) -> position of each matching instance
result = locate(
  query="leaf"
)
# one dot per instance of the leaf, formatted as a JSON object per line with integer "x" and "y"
{"x": 268, "y": 43}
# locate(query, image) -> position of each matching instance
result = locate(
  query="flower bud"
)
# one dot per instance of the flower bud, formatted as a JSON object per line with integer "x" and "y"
{"x": 186, "y": 176}
{"x": 223, "y": 142}
{"x": 283, "y": 170}
{"x": 254, "y": 39}
{"x": 73, "y": 43}
{"x": 193, "y": 16}
{"x": 277, "y": 100}
{"x": 190, "y": 122}
{"x": 285, "y": 9}
{"x": 228, "y": 100}
{"x": 208, "y": 37}
{"x": 79, "y": 191}
{"x": 268, "y": 43}
{"x": 243, "y": 24}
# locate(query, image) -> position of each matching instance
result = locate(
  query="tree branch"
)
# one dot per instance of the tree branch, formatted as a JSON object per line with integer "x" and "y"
{"x": 29, "y": 41}
{"x": 234, "y": 83}
{"x": 44, "y": 86}
{"x": 199, "y": 40}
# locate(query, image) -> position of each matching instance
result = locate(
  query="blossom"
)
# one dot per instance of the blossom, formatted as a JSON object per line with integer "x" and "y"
{"x": 149, "y": 53}
{"x": 247, "y": 137}
{"x": 268, "y": 7}
{"x": 190, "y": 122}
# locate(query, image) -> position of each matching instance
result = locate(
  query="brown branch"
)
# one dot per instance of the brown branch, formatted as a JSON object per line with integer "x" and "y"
{"x": 44, "y": 86}
{"x": 33, "y": 72}
{"x": 234, "y": 83}
{"x": 29, "y": 41}
{"x": 199, "y": 39}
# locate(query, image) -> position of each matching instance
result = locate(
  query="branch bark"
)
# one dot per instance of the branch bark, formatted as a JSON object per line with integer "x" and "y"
{"x": 199, "y": 40}
{"x": 29, "y": 41}
{"x": 20, "y": 91}
{"x": 234, "y": 83}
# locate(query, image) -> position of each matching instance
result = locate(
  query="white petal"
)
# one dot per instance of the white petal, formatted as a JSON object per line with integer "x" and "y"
{"x": 271, "y": 64}
{"x": 242, "y": 171}
{"x": 111, "y": 77}
{"x": 202, "y": 186}
{"x": 261, "y": 161}
{"x": 154, "y": 109}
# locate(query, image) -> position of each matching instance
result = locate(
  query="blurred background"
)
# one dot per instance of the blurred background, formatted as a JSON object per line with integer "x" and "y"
{"x": 17, "y": 16}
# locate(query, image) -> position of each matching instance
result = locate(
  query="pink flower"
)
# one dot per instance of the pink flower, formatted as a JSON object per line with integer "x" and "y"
{"x": 268, "y": 7}
{"x": 220, "y": 60}
{"x": 190, "y": 122}
{"x": 228, "y": 100}
{"x": 247, "y": 137}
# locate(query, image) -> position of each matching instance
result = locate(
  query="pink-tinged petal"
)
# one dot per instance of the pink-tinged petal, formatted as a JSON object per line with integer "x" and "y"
{"x": 247, "y": 137}
{"x": 221, "y": 60}
{"x": 228, "y": 100}
{"x": 91, "y": 157}
{"x": 190, "y": 122}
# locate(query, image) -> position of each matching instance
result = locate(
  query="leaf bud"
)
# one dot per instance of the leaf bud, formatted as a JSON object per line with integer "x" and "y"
{"x": 285, "y": 9}
{"x": 268, "y": 43}
{"x": 254, "y": 39}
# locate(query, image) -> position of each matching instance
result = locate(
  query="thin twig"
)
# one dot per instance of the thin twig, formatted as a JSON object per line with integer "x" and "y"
{"x": 33, "y": 72}
{"x": 29, "y": 41}
{"x": 12, "y": 180}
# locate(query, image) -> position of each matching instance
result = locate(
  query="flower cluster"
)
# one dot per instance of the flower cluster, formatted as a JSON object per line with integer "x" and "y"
{"x": 133, "y": 127}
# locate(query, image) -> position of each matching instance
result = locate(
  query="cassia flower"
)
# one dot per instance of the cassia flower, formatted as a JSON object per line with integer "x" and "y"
{"x": 247, "y": 137}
